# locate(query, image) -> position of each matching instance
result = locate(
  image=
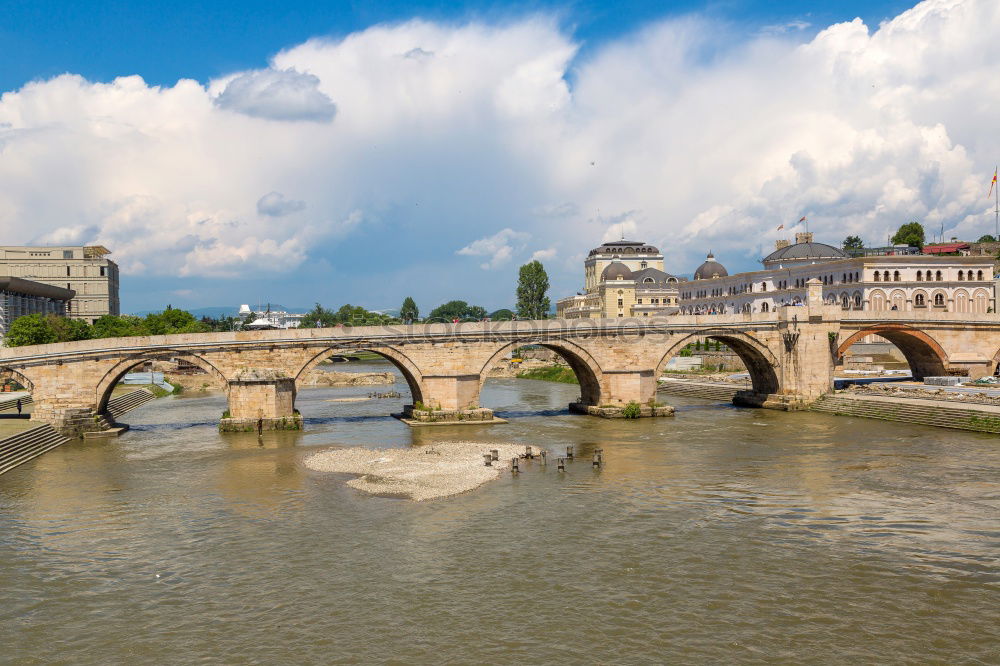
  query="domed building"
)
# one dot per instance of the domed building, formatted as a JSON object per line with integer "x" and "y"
{"x": 623, "y": 279}
{"x": 877, "y": 282}
{"x": 711, "y": 269}
{"x": 804, "y": 251}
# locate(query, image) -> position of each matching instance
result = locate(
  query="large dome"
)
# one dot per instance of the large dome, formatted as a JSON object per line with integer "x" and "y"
{"x": 710, "y": 269}
{"x": 802, "y": 252}
{"x": 616, "y": 270}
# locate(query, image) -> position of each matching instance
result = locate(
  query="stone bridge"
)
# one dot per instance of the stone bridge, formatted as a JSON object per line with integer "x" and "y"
{"x": 790, "y": 354}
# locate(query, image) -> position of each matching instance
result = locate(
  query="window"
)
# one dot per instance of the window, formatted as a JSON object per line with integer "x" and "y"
{"x": 764, "y": 306}
{"x": 920, "y": 276}
{"x": 621, "y": 303}
{"x": 961, "y": 275}
{"x": 918, "y": 300}
{"x": 857, "y": 301}
{"x": 102, "y": 271}
{"x": 979, "y": 275}
{"x": 939, "y": 299}
{"x": 885, "y": 276}
{"x": 895, "y": 276}
{"x": 638, "y": 301}
{"x": 938, "y": 276}
{"x": 857, "y": 276}
{"x": 877, "y": 277}
{"x": 845, "y": 302}
{"x": 67, "y": 254}
{"x": 644, "y": 265}
{"x": 645, "y": 314}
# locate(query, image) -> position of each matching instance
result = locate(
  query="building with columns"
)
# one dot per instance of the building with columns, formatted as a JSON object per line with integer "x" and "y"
{"x": 887, "y": 282}
{"x": 623, "y": 279}
{"x": 85, "y": 270}
{"x": 23, "y": 297}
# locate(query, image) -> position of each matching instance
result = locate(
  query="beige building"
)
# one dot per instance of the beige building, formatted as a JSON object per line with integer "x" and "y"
{"x": 85, "y": 270}
{"x": 622, "y": 279}
{"x": 913, "y": 282}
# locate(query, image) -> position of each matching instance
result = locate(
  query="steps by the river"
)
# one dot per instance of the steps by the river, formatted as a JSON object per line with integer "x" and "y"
{"x": 979, "y": 418}
{"x": 706, "y": 390}
{"x": 28, "y": 445}
{"x": 129, "y": 401}
{"x": 12, "y": 403}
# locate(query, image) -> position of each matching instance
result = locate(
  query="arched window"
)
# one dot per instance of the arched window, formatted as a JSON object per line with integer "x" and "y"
{"x": 845, "y": 301}
{"x": 643, "y": 265}
{"x": 878, "y": 300}
{"x": 920, "y": 276}
{"x": 938, "y": 276}
{"x": 647, "y": 280}
{"x": 857, "y": 276}
{"x": 764, "y": 307}
{"x": 938, "y": 299}
{"x": 843, "y": 277}
{"x": 979, "y": 275}
{"x": 857, "y": 301}
{"x": 895, "y": 276}
{"x": 982, "y": 301}
{"x": 918, "y": 300}
{"x": 885, "y": 276}
{"x": 961, "y": 275}
{"x": 877, "y": 276}
{"x": 962, "y": 301}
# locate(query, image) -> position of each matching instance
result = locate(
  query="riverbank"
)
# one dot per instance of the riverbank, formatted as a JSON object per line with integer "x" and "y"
{"x": 418, "y": 474}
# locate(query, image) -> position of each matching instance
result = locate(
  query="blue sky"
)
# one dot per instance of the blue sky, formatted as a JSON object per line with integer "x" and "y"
{"x": 164, "y": 42}
{"x": 429, "y": 148}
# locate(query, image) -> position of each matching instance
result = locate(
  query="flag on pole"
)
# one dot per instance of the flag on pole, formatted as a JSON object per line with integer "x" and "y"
{"x": 802, "y": 219}
{"x": 993, "y": 183}
{"x": 780, "y": 227}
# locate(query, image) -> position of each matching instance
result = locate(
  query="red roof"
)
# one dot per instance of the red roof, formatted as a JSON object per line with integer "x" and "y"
{"x": 945, "y": 248}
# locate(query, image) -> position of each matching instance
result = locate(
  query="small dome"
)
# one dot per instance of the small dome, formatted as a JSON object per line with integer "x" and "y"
{"x": 710, "y": 269}
{"x": 616, "y": 270}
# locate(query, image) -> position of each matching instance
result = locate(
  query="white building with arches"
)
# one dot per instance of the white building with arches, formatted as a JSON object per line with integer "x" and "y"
{"x": 960, "y": 284}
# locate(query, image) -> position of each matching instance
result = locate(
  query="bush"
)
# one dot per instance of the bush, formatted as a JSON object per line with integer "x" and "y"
{"x": 632, "y": 410}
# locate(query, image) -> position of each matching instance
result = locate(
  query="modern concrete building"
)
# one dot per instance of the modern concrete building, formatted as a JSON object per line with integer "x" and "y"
{"x": 903, "y": 282}
{"x": 85, "y": 270}
{"x": 20, "y": 297}
{"x": 623, "y": 279}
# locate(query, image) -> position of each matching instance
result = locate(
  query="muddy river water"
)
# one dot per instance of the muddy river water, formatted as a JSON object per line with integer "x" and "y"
{"x": 722, "y": 535}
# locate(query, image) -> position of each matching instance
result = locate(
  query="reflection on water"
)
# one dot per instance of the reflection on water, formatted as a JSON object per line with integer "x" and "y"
{"x": 721, "y": 535}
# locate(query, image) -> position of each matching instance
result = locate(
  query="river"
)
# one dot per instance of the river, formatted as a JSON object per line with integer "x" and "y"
{"x": 722, "y": 535}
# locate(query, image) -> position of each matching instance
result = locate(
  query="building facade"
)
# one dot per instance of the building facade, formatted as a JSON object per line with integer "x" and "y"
{"x": 84, "y": 270}
{"x": 271, "y": 318}
{"x": 623, "y": 279}
{"x": 20, "y": 297}
{"x": 888, "y": 282}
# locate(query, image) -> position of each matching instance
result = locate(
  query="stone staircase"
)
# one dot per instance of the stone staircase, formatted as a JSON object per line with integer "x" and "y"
{"x": 129, "y": 401}
{"x": 942, "y": 415}
{"x": 28, "y": 445}
{"x": 705, "y": 390}
{"x": 12, "y": 404}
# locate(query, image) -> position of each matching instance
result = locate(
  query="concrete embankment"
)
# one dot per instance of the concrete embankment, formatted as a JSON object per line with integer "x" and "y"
{"x": 923, "y": 411}
{"x": 28, "y": 445}
{"x": 979, "y": 418}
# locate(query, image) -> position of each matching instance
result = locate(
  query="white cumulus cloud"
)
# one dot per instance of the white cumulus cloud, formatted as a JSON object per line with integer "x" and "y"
{"x": 499, "y": 247}
{"x": 444, "y": 133}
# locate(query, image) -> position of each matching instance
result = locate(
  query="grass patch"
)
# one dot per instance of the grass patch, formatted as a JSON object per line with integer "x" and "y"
{"x": 557, "y": 373}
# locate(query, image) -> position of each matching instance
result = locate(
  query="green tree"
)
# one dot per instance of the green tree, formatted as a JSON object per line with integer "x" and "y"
{"x": 457, "y": 310}
{"x": 110, "y": 326}
{"x": 503, "y": 314}
{"x": 853, "y": 243}
{"x": 319, "y": 317}
{"x": 988, "y": 238}
{"x": 532, "y": 283}
{"x": 911, "y": 233}
{"x": 30, "y": 330}
{"x": 408, "y": 312}
{"x": 69, "y": 330}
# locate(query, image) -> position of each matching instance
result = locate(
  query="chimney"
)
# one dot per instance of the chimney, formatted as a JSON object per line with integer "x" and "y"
{"x": 804, "y": 237}
{"x": 780, "y": 244}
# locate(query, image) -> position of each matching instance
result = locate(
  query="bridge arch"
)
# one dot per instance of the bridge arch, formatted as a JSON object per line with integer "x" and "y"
{"x": 924, "y": 355}
{"x": 114, "y": 375}
{"x": 758, "y": 359}
{"x": 406, "y": 367}
{"x": 11, "y": 373}
{"x": 588, "y": 372}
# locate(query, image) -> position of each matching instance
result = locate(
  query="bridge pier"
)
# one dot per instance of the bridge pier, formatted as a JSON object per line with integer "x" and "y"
{"x": 261, "y": 398}
{"x": 449, "y": 399}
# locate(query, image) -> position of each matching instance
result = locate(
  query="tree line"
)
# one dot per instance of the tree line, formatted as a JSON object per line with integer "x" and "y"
{"x": 911, "y": 234}
{"x": 36, "y": 329}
